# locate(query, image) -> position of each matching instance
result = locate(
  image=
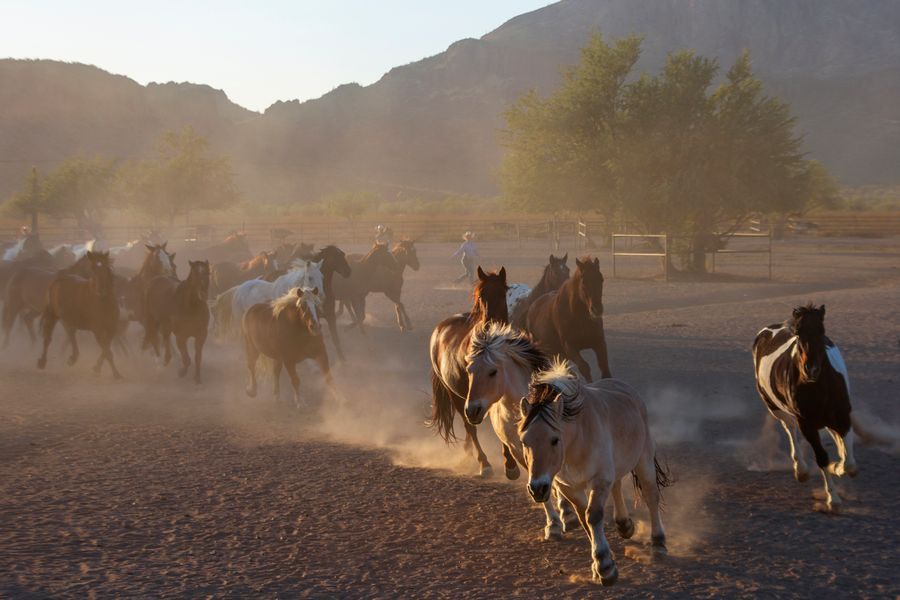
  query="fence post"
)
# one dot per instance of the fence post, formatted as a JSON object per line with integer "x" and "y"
{"x": 770, "y": 254}
{"x": 666, "y": 257}
{"x": 612, "y": 249}
{"x": 519, "y": 235}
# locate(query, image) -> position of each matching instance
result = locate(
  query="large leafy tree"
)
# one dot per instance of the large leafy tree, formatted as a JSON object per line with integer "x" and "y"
{"x": 81, "y": 189}
{"x": 181, "y": 178}
{"x": 668, "y": 152}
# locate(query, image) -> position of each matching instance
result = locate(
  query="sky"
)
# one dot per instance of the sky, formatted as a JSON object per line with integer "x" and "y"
{"x": 258, "y": 52}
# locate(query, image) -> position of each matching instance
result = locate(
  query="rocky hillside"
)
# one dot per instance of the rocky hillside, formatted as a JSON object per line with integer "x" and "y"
{"x": 432, "y": 126}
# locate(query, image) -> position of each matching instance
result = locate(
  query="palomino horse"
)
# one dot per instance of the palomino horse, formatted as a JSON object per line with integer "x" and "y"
{"x": 180, "y": 307}
{"x": 448, "y": 347}
{"x": 803, "y": 381}
{"x": 570, "y": 319}
{"x": 555, "y": 274}
{"x": 585, "y": 439}
{"x": 84, "y": 304}
{"x": 288, "y": 331}
{"x": 26, "y": 294}
{"x": 500, "y": 364}
{"x": 352, "y": 291}
{"x": 390, "y": 281}
{"x": 225, "y": 275}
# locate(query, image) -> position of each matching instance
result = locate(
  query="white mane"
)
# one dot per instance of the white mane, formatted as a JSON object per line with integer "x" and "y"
{"x": 561, "y": 376}
{"x": 496, "y": 340}
{"x": 14, "y": 250}
{"x": 296, "y": 297}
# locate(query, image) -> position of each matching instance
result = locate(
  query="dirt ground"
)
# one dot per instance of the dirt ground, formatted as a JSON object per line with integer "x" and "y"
{"x": 154, "y": 486}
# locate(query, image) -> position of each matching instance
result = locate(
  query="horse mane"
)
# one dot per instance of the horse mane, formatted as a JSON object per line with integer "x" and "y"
{"x": 495, "y": 339}
{"x": 559, "y": 380}
{"x": 290, "y": 298}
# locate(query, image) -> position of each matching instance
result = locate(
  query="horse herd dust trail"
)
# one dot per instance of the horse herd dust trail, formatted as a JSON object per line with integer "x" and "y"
{"x": 155, "y": 486}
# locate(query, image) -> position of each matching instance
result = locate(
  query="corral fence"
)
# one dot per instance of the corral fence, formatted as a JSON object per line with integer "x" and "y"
{"x": 658, "y": 247}
{"x": 766, "y": 248}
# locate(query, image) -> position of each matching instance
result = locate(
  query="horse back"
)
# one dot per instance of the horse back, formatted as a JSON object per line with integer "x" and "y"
{"x": 448, "y": 347}
{"x": 74, "y": 302}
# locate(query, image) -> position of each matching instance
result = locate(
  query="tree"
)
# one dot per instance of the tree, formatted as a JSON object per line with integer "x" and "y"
{"x": 81, "y": 189}
{"x": 30, "y": 199}
{"x": 665, "y": 152}
{"x": 181, "y": 178}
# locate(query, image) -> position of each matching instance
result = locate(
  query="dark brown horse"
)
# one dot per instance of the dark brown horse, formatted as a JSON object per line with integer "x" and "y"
{"x": 352, "y": 291}
{"x": 569, "y": 320}
{"x": 390, "y": 281}
{"x": 333, "y": 261}
{"x": 158, "y": 262}
{"x": 226, "y": 275}
{"x": 555, "y": 274}
{"x": 448, "y": 348}
{"x": 26, "y": 294}
{"x": 179, "y": 307}
{"x": 84, "y": 305}
{"x": 288, "y": 331}
{"x": 233, "y": 248}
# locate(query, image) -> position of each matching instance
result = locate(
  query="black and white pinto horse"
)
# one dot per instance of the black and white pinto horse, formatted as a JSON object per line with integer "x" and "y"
{"x": 802, "y": 379}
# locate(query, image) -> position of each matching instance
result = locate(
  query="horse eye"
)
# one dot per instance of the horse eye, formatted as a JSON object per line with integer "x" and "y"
{"x": 554, "y": 441}
{"x": 493, "y": 373}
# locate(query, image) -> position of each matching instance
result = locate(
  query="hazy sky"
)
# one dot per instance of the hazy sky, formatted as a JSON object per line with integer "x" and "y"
{"x": 258, "y": 52}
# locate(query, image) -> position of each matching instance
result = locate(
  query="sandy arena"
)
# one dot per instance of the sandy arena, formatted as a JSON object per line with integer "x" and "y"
{"x": 155, "y": 487}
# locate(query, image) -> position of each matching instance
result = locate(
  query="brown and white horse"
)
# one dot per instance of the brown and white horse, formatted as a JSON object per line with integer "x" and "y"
{"x": 587, "y": 438}
{"x": 802, "y": 379}
{"x": 569, "y": 320}
{"x": 448, "y": 348}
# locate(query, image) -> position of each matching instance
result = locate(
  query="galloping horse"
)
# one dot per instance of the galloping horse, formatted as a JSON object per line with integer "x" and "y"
{"x": 555, "y": 274}
{"x": 803, "y": 381}
{"x": 448, "y": 347}
{"x": 500, "y": 364}
{"x": 180, "y": 307}
{"x": 233, "y": 248}
{"x": 288, "y": 331}
{"x": 225, "y": 275}
{"x": 389, "y": 281}
{"x": 332, "y": 260}
{"x": 570, "y": 319}
{"x": 84, "y": 304}
{"x": 157, "y": 262}
{"x": 585, "y": 439}
{"x": 351, "y": 291}
{"x": 304, "y": 275}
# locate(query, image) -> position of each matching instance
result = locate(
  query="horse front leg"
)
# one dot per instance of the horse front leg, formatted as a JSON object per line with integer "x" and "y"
{"x": 28, "y": 318}
{"x": 567, "y": 513}
{"x": 510, "y": 465}
{"x": 485, "y": 470}
{"x": 789, "y": 424}
{"x": 846, "y": 465}
{"x": 331, "y": 319}
{"x": 252, "y": 354}
{"x": 573, "y": 354}
{"x": 600, "y": 352}
{"x": 48, "y": 322}
{"x": 181, "y": 343}
{"x": 603, "y": 567}
{"x": 276, "y": 379}
{"x": 199, "y": 342}
{"x": 72, "y": 337}
{"x": 166, "y": 330}
{"x": 832, "y": 498}
{"x": 105, "y": 343}
{"x": 291, "y": 369}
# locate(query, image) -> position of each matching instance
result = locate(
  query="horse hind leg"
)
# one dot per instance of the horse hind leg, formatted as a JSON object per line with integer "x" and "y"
{"x": 277, "y": 366}
{"x": 295, "y": 383}
{"x": 72, "y": 337}
{"x": 199, "y": 342}
{"x": 603, "y": 567}
{"x": 789, "y": 424}
{"x": 624, "y": 523}
{"x": 252, "y": 355}
{"x": 646, "y": 475}
{"x": 485, "y": 470}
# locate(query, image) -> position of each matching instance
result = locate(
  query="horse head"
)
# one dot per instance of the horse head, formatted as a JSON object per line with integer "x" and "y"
{"x": 557, "y": 271}
{"x": 405, "y": 254}
{"x": 270, "y": 261}
{"x": 589, "y": 285}
{"x": 333, "y": 260}
{"x": 100, "y": 269}
{"x": 808, "y": 324}
{"x": 489, "y": 297}
{"x": 308, "y": 303}
{"x": 199, "y": 277}
{"x": 158, "y": 261}
{"x": 553, "y": 397}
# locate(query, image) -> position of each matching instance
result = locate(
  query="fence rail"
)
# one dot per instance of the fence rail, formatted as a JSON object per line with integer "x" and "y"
{"x": 632, "y": 236}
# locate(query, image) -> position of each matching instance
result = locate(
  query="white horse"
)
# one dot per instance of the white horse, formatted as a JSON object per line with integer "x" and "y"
{"x": 585, "y": 438}
{"x": 304, "y": 274}
{"x": 500, "y": 364}
{"x": 515, "y": 293}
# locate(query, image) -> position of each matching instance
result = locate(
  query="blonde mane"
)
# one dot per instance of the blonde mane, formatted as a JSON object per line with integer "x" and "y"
{"x": 493, "y": 341}
{"x": 561, "y": 376}
{"x": 559, "y": 380}
{"x": 291, "y": 298}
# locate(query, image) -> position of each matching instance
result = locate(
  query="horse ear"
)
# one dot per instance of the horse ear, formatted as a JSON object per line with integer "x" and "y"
{"x": 315, "y": 291}
{"x": 564, "y": 258}
{"x": 164, "y": 244}
{"x": 149, "y": 247}
{"x": 481, "y": 274}
{"x": 597, "y": 262}
{"x": 822, "y": 310}
{"x": 172, "y": 256}
{"x": 502, "y": 274}
{"x": 523, "y": 406}
{"x": 578, "y": 263}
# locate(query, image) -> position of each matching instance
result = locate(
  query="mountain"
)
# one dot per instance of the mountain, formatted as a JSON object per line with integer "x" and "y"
{"x": 431, "y": 127}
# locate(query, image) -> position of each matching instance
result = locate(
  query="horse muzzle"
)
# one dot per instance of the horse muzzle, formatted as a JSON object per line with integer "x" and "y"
{"x": 539, "y": 491}
{"x": 474, "y": 413}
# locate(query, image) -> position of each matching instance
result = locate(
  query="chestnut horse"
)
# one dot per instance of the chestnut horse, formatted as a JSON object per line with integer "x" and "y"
{"x": 555, "y": 274}
{"x": 288, "y": 331}
{"x": 570, "y": 319}
{"x": 448, "y": 348}
{"x": 180, "y": 307}
{"x": 84, "y": 305}
{"x": 226, "y": 275}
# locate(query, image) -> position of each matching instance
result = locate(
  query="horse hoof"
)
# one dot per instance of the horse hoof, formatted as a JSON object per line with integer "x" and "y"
{"x": 801, "y": 476}
{"x": 117, "y": 376}
{"x": 71, "y": 361}
{"x": 606, "y": 580}
{"x": 197, "y": 380}
{"x": 42, "y": 362}
{"x": 851, "y": 470}
{"x": 486, "y": 472}
{"x": 570, "y": 523}
{"x": 658, "y": 550}
{"x": 251, "y": 392}
{"x": 626, "y": 528}
{"x": 513, "y": 474}
{"x": 553, "y": 533}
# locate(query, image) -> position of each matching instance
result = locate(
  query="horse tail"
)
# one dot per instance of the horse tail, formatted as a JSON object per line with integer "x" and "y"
{"x": 442, "y": 410}
{"x": 872, "y": 430}
{"x": 663, "y": 480}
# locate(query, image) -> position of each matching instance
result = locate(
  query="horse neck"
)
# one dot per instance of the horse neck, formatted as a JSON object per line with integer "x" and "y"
{"x": 567, "y": 295}
{"x": 515, "y": 385}
{"x": 543, "y": 286}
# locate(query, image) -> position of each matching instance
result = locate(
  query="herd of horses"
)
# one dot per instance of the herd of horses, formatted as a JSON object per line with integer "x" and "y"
{"x": 515, "y": 358}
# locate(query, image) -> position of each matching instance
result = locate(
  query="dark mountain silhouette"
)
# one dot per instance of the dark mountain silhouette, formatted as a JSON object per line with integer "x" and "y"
{"x": 432, "y": 126}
